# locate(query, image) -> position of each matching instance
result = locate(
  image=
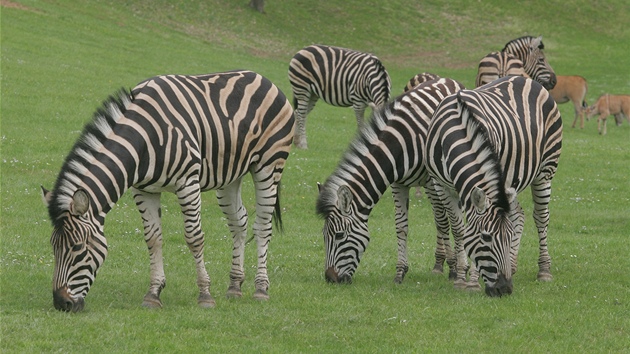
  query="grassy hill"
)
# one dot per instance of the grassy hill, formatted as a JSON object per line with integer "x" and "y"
{"x": 60, "y": 59}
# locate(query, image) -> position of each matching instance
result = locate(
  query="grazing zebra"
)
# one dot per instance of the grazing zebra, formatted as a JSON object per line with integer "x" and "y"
{"x": 418, "y": 79}
{"x": 571, "y": 88}
{"x": 388, "y": 151}
{"x": 341, "y": 77}
{"x": 529, "y": 50}
{"x": 496, "y": 65}
{"x": 180, "y": 134}
{"x": 483, "y": 147}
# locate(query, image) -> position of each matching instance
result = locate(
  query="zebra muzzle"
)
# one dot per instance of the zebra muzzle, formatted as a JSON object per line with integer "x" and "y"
{"x": 502, "y": 287}
{"x": 333, "y": 277}
{"x": 64, "y": 302}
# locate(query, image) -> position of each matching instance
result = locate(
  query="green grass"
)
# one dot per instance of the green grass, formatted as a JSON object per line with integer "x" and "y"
{"x": 61, "y": 59}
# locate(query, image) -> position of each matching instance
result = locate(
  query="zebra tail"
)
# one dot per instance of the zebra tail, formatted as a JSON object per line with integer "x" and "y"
{"x": 277, "y": 211}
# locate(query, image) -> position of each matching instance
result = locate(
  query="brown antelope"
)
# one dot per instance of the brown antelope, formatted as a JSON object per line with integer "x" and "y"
{"x": 606, "y": 105}
{"x": 571, "y": 88}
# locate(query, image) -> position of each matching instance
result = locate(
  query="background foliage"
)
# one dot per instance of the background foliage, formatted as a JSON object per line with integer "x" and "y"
{"x": 61, "y": 58}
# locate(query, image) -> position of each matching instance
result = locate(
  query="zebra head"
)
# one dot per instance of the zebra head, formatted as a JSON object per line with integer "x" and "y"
{"x": 345, "y": 233}
{"x": 487, "y": 240}
{"x": 530, "y": 51}
{"x": 79, "y": 247}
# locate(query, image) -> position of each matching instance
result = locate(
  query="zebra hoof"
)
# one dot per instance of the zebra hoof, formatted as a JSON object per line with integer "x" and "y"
{"x": 261, "y": 295}
{"x": 452, "y": 275}
{"x": 545, "y": 276}
{"x": 459, "y": 284}
{"x": 398, "y": 279}
{"x": 438, "y": 269}
{"x": 205, "y": 301}
{"x": 151, "y": 301}
{"x": 234, "y": 292}
{"x": 473, "y": 287}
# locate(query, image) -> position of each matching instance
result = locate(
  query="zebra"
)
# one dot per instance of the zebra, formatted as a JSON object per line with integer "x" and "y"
{"x": 529, "y": 50}
{"x": 388, "y": 151}
{"x": 496, "y": 65}
{"x": 339, "y": 76}
{"x": 173, "y": 133}
{"x": 418, "y": 79}
{"x": 484, "y": 146}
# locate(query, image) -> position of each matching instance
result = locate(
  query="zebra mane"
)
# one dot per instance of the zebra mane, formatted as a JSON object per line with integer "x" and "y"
{"x": 347, "y": 167}
{"x": 519, "y": 42}
{"x": 82, "y": 153}
{"x": 477, "y": 132}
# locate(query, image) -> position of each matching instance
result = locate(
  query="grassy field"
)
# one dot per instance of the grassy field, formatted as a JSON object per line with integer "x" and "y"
{"x": 60, "y": 59}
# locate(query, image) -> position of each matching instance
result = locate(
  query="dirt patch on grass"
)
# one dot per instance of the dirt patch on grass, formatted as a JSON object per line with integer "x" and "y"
{"x": 15, "y": 5}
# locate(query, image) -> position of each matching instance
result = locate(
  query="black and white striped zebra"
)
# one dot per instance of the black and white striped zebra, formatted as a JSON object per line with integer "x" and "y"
{"x": 388, "y": 151}
{"x": 179, "y": 134}
{"x": 418, "y": 79}
{"x": 485, "y": 146}
{"x": 341, "y": 77}
{"x": 497, "y": 65}
{"x": 529, "y": 50}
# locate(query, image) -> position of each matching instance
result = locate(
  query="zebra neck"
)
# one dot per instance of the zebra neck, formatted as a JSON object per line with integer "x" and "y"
{"x": 484, "y": 171}
{"x": 103, "y": 162}
{"x": 374, "y": 160}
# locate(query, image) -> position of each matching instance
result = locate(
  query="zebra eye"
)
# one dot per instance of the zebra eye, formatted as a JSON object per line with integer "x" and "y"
{"x": 486, "y": 237}
{"x": 77, "y": 247}
{"x": 340, "y": 236}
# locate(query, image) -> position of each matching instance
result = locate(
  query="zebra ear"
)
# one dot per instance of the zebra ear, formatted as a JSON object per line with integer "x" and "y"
{"x": 319, "y": 187}
{"x": 479, "y": 199}
{"x": 537, "y": 43}
{"x": 344, "y": 199}
{"x": 46, "y": 195}
{"x": 80, "y": 202}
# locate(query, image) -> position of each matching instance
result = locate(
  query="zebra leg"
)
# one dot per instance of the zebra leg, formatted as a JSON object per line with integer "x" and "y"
{"x": 443, "y": 251}
{"x": 455, "y": 214}
{"x": 401, "y": 205}
{"x": 149, "y": 206}
{"x": 541, "y": 194}
{"x": 231, "y": 204}
{"x": 517, "y": 215}
{"x": 266, "y": 182}
{"x": 359, "y": 112}
{"x": 304, "y": 106}
{"x": 189, "y": 197}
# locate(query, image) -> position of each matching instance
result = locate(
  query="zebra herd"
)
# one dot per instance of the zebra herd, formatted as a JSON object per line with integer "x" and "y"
{"x": 473, "y": 151}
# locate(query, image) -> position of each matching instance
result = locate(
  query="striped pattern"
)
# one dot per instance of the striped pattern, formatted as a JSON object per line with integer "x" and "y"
{"x": 341, "y": 77}
{"x": 496, "y": 65}
{"x": 485, "y": 146}
{"x": 529, "y": 50}
{"x": 180, "y": 134}
{"x": 418, "y": 79}
{"x": 389, "y": 151}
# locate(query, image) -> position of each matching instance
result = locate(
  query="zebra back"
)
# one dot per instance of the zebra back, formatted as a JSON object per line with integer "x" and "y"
{"x": 529, "y": 50}
{"x": 496, "y": 65}
{"x": 418, "y": 79}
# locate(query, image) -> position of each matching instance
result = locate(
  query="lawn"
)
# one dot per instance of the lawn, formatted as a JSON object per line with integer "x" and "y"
{"x": 61, "y": 59}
